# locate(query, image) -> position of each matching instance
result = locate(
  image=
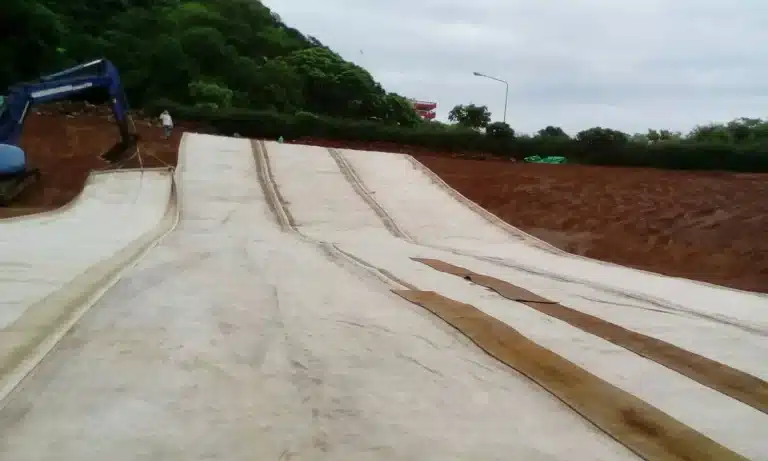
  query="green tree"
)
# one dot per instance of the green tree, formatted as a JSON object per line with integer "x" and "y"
{"x": 400, "y": 111}
{"x": 602, "y": 136}
{"x": 470, "y": 116}
{"x": 552, "y": 132}
{"x": 32, "y": 34}
{"x": 239, "y": 54}
{"x": 655, "y": 136}
{"x": 163, "y": 46}
{"x": 500, "y": 130}
{"x": 329, "y": 85}
{"x": 277, "y": 86}
{"x": 713, "y": 133}
{"x": 744, "y": 130}
{"x": 210, "y": 95}
{"x": 210, "y": 51}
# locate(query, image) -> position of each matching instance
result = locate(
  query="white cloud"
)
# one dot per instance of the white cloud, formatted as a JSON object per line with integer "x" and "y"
{"x": 625, "y": 64}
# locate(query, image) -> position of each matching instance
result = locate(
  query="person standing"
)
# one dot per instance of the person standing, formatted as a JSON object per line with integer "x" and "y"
{"x": 167, "y": 121}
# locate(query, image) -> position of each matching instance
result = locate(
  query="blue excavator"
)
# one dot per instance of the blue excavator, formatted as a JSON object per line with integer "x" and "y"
{"x": 15, "y": 174}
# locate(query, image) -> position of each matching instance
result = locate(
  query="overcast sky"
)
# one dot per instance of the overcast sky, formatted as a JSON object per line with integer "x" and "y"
{"x": 624, "y": 64}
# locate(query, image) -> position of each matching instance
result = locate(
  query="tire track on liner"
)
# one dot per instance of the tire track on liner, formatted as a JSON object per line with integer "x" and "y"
{"x": 349, "y": 173}
{"x": 391, "y": 225}
{"x": 645, "y": 430}
{"x": 528, "y": 238}
{"x": 287, "y": 222}
{"x": 357, "y": 184}
{"x": 637, "y": 431}
{"x": 731, "y": 382}
{"x": 718, "y": 376}
{"x": 660, "y": 305}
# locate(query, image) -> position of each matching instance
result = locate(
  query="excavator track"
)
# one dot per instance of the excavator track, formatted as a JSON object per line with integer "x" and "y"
{"x": 12, "y": 186}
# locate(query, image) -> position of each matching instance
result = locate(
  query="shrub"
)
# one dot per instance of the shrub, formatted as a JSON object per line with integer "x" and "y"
{"x": 500, "y": 130}
{"x": 209, "y": 95}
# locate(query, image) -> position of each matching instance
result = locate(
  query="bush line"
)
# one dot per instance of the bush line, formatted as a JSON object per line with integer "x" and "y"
{"x": 672, "y": 154}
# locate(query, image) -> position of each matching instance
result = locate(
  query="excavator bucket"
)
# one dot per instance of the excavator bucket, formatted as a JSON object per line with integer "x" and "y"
{"x": 126, "y": 148}
{"x": 123, "y": 151}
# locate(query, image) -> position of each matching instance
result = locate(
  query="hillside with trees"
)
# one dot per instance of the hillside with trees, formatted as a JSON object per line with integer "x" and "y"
{"x": 207, "y": 53}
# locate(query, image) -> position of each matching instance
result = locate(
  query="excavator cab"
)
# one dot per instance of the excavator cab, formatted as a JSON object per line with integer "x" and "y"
{"x": 14, "y": 174}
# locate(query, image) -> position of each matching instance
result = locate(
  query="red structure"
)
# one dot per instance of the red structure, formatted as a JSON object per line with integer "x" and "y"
{"x": 425, "y": 109}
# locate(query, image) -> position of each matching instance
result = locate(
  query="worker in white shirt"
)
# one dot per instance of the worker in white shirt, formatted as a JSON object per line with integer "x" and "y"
{"x": 165, "y": 117}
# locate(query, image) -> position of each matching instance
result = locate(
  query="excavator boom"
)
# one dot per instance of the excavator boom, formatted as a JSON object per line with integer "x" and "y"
{"x": 15, "y": 174}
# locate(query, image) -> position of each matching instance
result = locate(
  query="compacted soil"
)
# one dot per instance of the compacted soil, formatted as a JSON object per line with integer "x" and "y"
{"x": 703, "y": 226}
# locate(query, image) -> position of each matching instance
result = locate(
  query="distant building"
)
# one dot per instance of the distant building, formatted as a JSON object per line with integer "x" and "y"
{"x": 424, "y": 108}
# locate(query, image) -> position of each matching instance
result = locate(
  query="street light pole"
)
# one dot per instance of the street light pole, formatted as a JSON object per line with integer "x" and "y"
{"x": 506, "y": 93}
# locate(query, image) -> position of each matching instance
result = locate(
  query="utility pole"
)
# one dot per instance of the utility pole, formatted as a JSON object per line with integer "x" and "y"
{"x": 506, "y": 93}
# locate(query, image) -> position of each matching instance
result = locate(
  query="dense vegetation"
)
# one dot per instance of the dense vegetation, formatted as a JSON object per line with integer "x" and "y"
{"x": 210, "y": 53}
{"x": 236, "y": 67}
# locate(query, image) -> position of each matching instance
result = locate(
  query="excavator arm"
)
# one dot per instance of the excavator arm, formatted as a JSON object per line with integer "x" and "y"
{"x": 62, "y": 85}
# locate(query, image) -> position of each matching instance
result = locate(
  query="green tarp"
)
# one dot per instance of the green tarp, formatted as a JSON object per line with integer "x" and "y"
{"x": 539, "y": 159}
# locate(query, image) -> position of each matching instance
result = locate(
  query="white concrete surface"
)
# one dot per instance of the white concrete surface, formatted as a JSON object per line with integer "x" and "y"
{"x": 420, "y": 207}
{"x": 234, "y": 340}
{"x": 40, "y": 254}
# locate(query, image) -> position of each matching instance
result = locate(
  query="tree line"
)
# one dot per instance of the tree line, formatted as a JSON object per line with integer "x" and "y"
{"x": 596, "y": 146}
{"x": 741, "y": 131}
